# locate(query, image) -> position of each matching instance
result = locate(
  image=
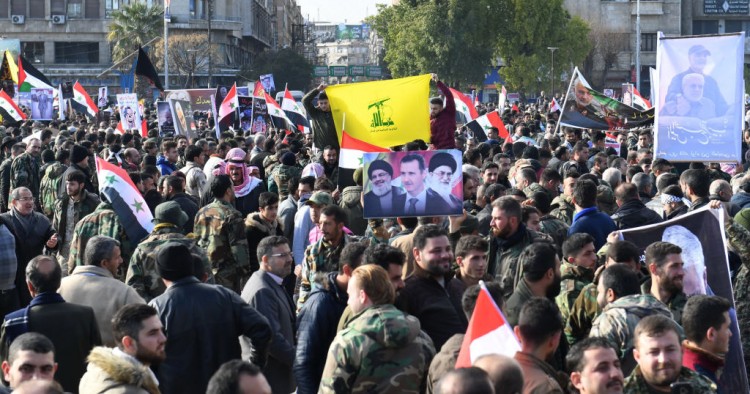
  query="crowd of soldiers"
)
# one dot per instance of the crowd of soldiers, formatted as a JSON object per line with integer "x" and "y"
{"x": 261, "y": 275}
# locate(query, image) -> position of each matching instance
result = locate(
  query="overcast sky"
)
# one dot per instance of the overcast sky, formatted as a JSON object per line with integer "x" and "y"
{"x": 338, "y": 11}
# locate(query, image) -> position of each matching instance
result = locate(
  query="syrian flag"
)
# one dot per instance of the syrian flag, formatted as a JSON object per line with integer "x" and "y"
{"x": 350, "y": 158}
{"x": 481, "y": 126}
{"x": 29, "y": 77}
{"x": 639, "y": 102}
{"x": 146, "y": 69}
{"x": 82, "y": 102}
{"x": 502, "y": 98}
{"x": 464, "y": 105}
{"x": 126, "y": 200}
{"x": 294, "y": 112}
{"x": 230, "y": 103}
{"x": 488, "y": 332}
{"x": 9, "y": 109}
{"x": 554, "y": 106}
{"x": 275, "y": 110}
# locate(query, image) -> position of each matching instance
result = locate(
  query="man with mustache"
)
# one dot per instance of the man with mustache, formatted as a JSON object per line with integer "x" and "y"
{"x": 442, "y": 167}
{"x": 379, "y": 200}
{"x": 659, "y": 356}
{"x": 418, "y": 200}
{"x": 541, "y": 278}
{"x": 664, "y": 262}
{"x": 622, "y": 308}
{"x": 595, "y": 367}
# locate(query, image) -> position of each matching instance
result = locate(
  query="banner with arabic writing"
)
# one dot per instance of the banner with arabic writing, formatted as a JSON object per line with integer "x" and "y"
{"x": 700, "y": 98}
{"x": 586, "y": 108}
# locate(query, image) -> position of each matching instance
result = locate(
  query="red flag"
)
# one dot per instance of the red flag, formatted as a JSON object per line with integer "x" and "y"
{"x": 464, "y": 105}
{"x": 488, "y": 332}
{"x": 258, "y": 90}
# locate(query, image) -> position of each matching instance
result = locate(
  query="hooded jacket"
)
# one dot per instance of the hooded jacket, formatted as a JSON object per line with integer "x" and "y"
{"x": 381, "y": 332}
{"x": 350, "y": 201}
{"x": 257, "y": 228}
{"x": 111, "y": 372}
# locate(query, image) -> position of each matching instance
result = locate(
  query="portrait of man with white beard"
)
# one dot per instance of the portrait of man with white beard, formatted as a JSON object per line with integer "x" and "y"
{"x": 443, "y": 178}
{"x": 378, "y": 202}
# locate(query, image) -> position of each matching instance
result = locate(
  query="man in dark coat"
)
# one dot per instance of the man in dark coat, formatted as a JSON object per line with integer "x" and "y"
{"x": 201, "y": 339}
{"x": 262, "y": 224}
{"x": 632, "y": 212}
{"x": 174, "y": 191}
{"x": 71, "y": 328}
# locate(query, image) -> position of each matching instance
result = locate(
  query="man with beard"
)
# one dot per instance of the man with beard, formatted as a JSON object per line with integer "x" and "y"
{"x": 247, "y": 188}
{"x": 659, "y": 356}
{"x": 379, "y": 200}
{"x": 664, "y": 262}
{"x": 140, "y": 339}
{"x": 622, "y": 308}
{"x": 539, "y": 330}
{"x": 541, "y": 278}
{"x": 578, "y": 161}
{"x": 509, "y": 238}
{"x": 442, "y": 120}
{"x": 595, "y": 367}
{"x": 330, "y": 162}
{"x": 69, "y": 209}
{"x": 442, "y": 167}
{"x": 698, "y": 59}
{"x": 417, "y": 199}
{"x": 25, "y": 169}
{"x": 707, "y": 331}
{"x": 428, "y": 293}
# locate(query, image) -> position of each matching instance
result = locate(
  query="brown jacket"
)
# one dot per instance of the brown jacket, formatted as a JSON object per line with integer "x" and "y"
{"x": 538, "y": 376}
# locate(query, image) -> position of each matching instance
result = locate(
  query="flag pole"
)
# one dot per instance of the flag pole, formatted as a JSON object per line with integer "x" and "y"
{"x": 562, "y": 110}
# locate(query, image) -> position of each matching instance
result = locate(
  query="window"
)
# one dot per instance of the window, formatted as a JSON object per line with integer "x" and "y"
{"x": 33, "y": 51}
{"x": 92, "y": 9}
{"x": 705, "y": 27}
{"x": 733, "y": 26}
{"x": 36, "y": 9}
{"x": 76, "y": 52}
{"x": 4, "y": 9}
{"x": 111, "y": 6}
{"x": 75, "y": 8}
{"x": 57, "y": 7}
{"x": 18, "y": 7}
{"x": 648, "y": 42}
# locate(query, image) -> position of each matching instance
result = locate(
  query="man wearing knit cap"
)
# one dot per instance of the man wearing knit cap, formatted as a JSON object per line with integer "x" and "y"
{"x": 442, "y": 169}
{"x": 79, "y": 160}
{"x": 220, "y": 229}
{"x": 278, "y": 181}
{"x": 141, "y": 273}
{"x": 247, "y": 188}
{"x": 201, "y": 339}
{"x": 379, "y": 200}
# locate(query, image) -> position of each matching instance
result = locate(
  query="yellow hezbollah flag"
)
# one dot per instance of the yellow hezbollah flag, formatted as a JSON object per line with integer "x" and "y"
{"x": 383, "y": 113}
{"x": 8, "y": 65}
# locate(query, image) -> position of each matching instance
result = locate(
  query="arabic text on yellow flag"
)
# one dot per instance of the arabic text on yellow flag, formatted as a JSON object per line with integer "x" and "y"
{"x": 383, "y": 113}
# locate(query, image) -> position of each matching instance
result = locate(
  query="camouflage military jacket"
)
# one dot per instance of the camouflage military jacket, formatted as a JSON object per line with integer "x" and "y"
{"x": 563, "y": 209}
{"x": 356, "y": 361}
{"x": 25, "y": 172}
{"x": 555, "y": 228}
{"x": 220, "y": 229}
{"x": 574, "y": 279}
{"x": 103, "y": 221}
{"x": 142, "y": 275}
{"x": 503, "y": 257}
{"x": 534, "y": 188}
{"x": 739, "y": 240}
{"x": 320, "y": 258}
{"x": 675, "y": 304}
{"x": 619, "y": 318}
{"x": 636, "y": 384}
{"x": 582, "y": 314}
{"x": 278, "y": 181}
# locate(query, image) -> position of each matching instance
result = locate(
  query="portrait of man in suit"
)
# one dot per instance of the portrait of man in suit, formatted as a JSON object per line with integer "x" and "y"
{"x": 418, "y": 199}
{"x": 379, "y": 201}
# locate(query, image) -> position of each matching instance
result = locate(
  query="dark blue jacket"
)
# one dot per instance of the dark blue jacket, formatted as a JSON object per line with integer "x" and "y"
{"x": 741, "y": 199}
{"x": 316, "y": 328}
{"x": 594, "y": 223}
{"x": 164, "y": 166}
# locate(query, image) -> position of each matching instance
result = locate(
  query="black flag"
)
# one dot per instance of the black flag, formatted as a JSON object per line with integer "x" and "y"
{"x": 145, "y": 68}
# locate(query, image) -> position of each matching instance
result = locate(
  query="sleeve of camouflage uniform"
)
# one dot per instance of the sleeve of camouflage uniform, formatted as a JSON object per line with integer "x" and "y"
{"x": 19, "y": 173}
{"x": 610, "y": 327}
{"x": 135, "y": 277}
{"x": 238, "y": 243}
{"x": 739, "y": 239}
{"x": 74, "y": 258}
{"x": 305, "y": 284}
{"x": 582, "y": 313}
{"x": 342, "y": 365}
{"x": 196, "y": 250}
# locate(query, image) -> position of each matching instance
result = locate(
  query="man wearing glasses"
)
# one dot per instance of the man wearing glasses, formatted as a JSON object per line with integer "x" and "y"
{"x": 265, "y": 293}
{"x": 442, "y": 169}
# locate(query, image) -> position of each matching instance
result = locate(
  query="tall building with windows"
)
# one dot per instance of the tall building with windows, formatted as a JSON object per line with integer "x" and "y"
{"x": 67, "y": 39}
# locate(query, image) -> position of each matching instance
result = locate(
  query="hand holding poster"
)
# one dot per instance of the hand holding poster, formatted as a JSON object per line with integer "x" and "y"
{"x": 415, "y": 183}
{"x": 700, "y": 108}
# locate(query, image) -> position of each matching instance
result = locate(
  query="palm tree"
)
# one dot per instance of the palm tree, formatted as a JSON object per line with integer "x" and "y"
{"x": 133, "y": 25}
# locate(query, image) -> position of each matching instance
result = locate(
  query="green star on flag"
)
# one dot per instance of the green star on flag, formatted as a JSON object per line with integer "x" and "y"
{"x": 111, "y": 179}
{"x": 137, "y": 205}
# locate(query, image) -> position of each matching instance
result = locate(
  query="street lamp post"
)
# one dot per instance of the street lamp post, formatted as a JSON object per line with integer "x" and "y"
{"x": 210, "y": 8}
{"x": 552, "y": 50}
{"x": 638, "y": 45}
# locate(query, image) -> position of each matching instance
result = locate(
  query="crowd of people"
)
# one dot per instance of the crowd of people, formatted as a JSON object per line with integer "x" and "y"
{"x": 262, "y": 276}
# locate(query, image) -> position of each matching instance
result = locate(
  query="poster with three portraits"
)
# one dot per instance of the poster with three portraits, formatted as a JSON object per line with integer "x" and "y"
{"x": 413, "y": 183}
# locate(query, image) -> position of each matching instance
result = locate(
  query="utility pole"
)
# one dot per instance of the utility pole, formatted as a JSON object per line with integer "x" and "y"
{"x": 638, "y": 45}
{"x": 167, "y": 19}
{"x": 210, "y": 9}
{"x": 553, "y": 49}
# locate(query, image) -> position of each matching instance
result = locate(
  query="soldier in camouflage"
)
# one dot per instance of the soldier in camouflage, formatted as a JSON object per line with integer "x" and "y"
{"x": 51, "y": 179}
{"x": 378, "y": 333}
{"x": 25, "y": 169}
{"x": 622, "y": 308}
{"x": 69, "y": 209}
{"x": 103, "y": 221}
{"x": 657, "y": 345}
{"x": 562, "y": 206}
{"x": 278, "y": 181}
{"x": 577, "y": 270}
{"x": 220, "y": 229}
{"x": 664, "y": 262}
{"x": 142, "y": 275}
{"x": 738, "y": 236}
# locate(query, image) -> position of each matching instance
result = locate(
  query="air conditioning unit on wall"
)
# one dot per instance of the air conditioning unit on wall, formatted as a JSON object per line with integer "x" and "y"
{"x": 18, "y": 19}
{"x": 58, "y": 19}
